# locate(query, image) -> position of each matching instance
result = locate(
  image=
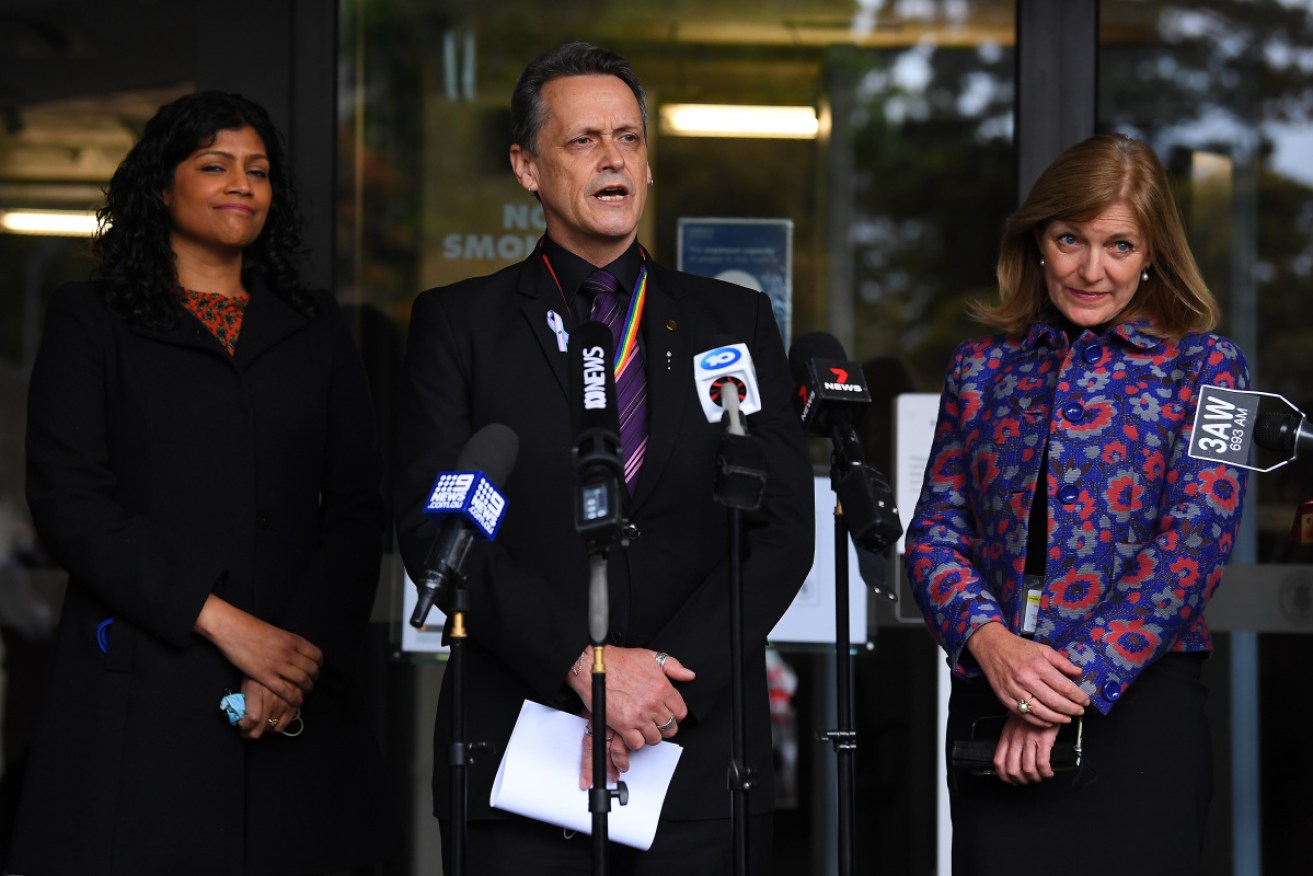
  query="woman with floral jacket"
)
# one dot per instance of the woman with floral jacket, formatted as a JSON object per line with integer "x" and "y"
{"x": 1065, "y": 544}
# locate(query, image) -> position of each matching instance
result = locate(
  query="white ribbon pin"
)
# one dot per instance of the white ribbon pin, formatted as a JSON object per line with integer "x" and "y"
{"x": 557, "y": 325}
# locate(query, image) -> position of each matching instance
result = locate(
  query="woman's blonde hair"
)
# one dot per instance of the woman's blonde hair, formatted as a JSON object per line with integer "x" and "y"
{"x": 1078, "y": 186}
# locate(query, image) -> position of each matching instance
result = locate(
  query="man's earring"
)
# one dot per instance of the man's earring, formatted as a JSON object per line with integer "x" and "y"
{"x": 1041, "y": 261}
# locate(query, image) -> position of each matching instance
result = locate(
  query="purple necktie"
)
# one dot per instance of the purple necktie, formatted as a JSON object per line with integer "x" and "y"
{"x": 631, "y": 383}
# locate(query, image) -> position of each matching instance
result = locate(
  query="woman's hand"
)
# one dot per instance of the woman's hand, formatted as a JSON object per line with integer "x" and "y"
{"x": 1022, "y": 755}
{"x": 284, "y": 663}
{"x": 1023, "y": 671}
{"x": 266, "y": 712}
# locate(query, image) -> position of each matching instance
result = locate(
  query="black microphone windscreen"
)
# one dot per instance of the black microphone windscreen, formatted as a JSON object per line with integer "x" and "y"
{"x": 592, "y": 378}
{"x": 1276, "y": 431}
{"x": 491, "y": 450}
{"x": 814, "y": 345}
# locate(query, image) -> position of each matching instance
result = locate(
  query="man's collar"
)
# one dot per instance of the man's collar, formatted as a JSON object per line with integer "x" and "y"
{"x": 571, "y": 270}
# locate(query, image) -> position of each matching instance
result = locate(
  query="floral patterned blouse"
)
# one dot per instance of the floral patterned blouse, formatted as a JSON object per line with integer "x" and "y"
{"x": 1138, "y": 531}
{"x": 221, "y": 314}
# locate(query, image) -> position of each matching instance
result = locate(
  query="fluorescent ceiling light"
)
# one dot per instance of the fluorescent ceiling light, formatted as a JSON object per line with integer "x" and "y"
{"x": 722, "y": 120}
{"x": 58, "y": 223}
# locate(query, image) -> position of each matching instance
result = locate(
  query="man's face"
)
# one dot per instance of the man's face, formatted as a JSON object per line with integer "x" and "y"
{"x": 590, "y": 170}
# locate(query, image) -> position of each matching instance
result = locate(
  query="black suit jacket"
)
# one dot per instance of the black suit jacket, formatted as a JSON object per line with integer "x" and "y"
{"x": 481, "y": 352}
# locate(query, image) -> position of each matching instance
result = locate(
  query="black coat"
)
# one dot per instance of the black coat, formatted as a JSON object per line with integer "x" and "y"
{"x": 160, "y": 470}
{"x": 482, "y": 352}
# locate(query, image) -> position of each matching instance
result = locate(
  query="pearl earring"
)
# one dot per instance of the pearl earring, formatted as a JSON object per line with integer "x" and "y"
{"x": 1144, "y": 276}
{"x": 1041, "y": 261}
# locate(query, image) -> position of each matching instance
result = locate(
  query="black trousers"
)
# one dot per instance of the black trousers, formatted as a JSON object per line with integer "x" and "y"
{"x": 517, "y": 846}
{"x": 1136, "y": 806}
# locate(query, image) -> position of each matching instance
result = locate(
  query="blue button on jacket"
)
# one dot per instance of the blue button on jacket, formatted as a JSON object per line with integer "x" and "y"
{"x": 1139, "y": 531}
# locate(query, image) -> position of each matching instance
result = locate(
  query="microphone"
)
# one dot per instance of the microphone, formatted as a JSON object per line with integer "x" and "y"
{"x": 831, "y": 392}
{"x": 726, "y": 384}
{"x": 727, "y": 365}
{"x": 471, "y": 503}
{"x": 598, "y": 458}
{"x": 1227, "y": 424}
{"x": 1287, "y": 434}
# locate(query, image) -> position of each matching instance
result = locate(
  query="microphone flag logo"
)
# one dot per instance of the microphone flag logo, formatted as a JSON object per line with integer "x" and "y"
{"x": 469, "y": 493}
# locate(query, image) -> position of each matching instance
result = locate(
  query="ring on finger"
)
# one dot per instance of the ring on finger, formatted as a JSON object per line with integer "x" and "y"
{"x": 272, "y": 722}
{"x": 588, "y": 731}
{"x": 661, "y": 658}
{"x": 1023, "y": 706}
{"x": 666, "y": 727}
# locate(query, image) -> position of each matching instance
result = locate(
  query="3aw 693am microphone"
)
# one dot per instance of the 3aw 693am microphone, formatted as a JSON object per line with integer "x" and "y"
{"x": 1227, "y": 424}
{"x": 468, "y": 502}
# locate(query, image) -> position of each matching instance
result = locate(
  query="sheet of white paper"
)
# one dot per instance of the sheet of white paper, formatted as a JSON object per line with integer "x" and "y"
{"x": 539, "y": 778}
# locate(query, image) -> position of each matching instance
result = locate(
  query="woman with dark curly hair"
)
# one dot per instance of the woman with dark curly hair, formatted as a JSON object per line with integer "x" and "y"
{"x": 201, "y": 460}
{"x": 1066, "y": 543}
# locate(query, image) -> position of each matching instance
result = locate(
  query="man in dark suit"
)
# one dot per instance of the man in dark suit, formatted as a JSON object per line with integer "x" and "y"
{"x": 491, "y": 350}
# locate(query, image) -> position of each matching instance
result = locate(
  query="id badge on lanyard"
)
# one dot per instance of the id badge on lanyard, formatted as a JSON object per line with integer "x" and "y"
{"x": 1034, "y": 585}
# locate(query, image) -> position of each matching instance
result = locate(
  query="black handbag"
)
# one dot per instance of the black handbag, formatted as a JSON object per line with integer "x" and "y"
{"x": 976, "y": 754}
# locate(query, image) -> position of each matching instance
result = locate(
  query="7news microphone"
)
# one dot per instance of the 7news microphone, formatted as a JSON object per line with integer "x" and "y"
{"x": 726, "y": 384}
{"x": 468, "y": 501}
{"x": 598, "y": 457}
{"x": 831, "y": 394}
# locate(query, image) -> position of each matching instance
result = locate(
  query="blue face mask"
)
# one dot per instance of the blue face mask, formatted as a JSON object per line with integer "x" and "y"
{"x": 235, "y": 705}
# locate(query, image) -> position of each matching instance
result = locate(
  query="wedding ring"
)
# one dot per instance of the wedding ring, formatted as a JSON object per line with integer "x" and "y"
{"x": 662, "y": 728}
{"x": 1023, "y": 707}
{"x": 661, "y": 658}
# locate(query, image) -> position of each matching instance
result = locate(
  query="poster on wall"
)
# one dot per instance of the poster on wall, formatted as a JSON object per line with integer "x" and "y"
{"x": 756, "y": 253}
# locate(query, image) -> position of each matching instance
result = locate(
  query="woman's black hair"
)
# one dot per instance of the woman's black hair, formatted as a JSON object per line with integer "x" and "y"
{"x": 132, "y": 254}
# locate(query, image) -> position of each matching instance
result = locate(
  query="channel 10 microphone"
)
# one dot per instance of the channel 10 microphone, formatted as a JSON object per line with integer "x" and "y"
{"x": 598, "y": 457}
{"x": 467, "y": 502}
{"x": 831, "y": 394}
{"x": 726, "y": 364}
{"x": 1227, "y": 424}
{"x": 726, "y": 383}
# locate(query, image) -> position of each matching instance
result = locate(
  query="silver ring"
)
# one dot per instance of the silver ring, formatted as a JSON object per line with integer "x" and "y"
{"x": 662, "y": 728}
{"x": 1023, "y": 707}
{"x": 661, "y": 658}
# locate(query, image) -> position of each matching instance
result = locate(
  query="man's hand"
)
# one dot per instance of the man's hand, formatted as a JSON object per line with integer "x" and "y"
{"x": 642, "y": 705}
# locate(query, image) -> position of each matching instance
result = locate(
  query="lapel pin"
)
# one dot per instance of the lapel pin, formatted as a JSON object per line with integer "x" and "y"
{"x": 557, "y": 325}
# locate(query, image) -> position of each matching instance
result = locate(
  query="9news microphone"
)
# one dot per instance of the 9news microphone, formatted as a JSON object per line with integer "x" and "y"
{"x": 598, "y": 457}
{"x": 831, "y": 393}
{"x": 469, "y": 502}
{"x": 726, "y": 384}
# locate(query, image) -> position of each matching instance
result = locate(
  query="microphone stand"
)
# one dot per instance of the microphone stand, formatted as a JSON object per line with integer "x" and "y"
{"x": 740, "y": 480}
{"x": 600, "y": 519}
{"x": 843, "y": 738}
{"x": 599, "y": 795}
{"x": 875, "y": 526}
{"x": 459, "y": 754}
